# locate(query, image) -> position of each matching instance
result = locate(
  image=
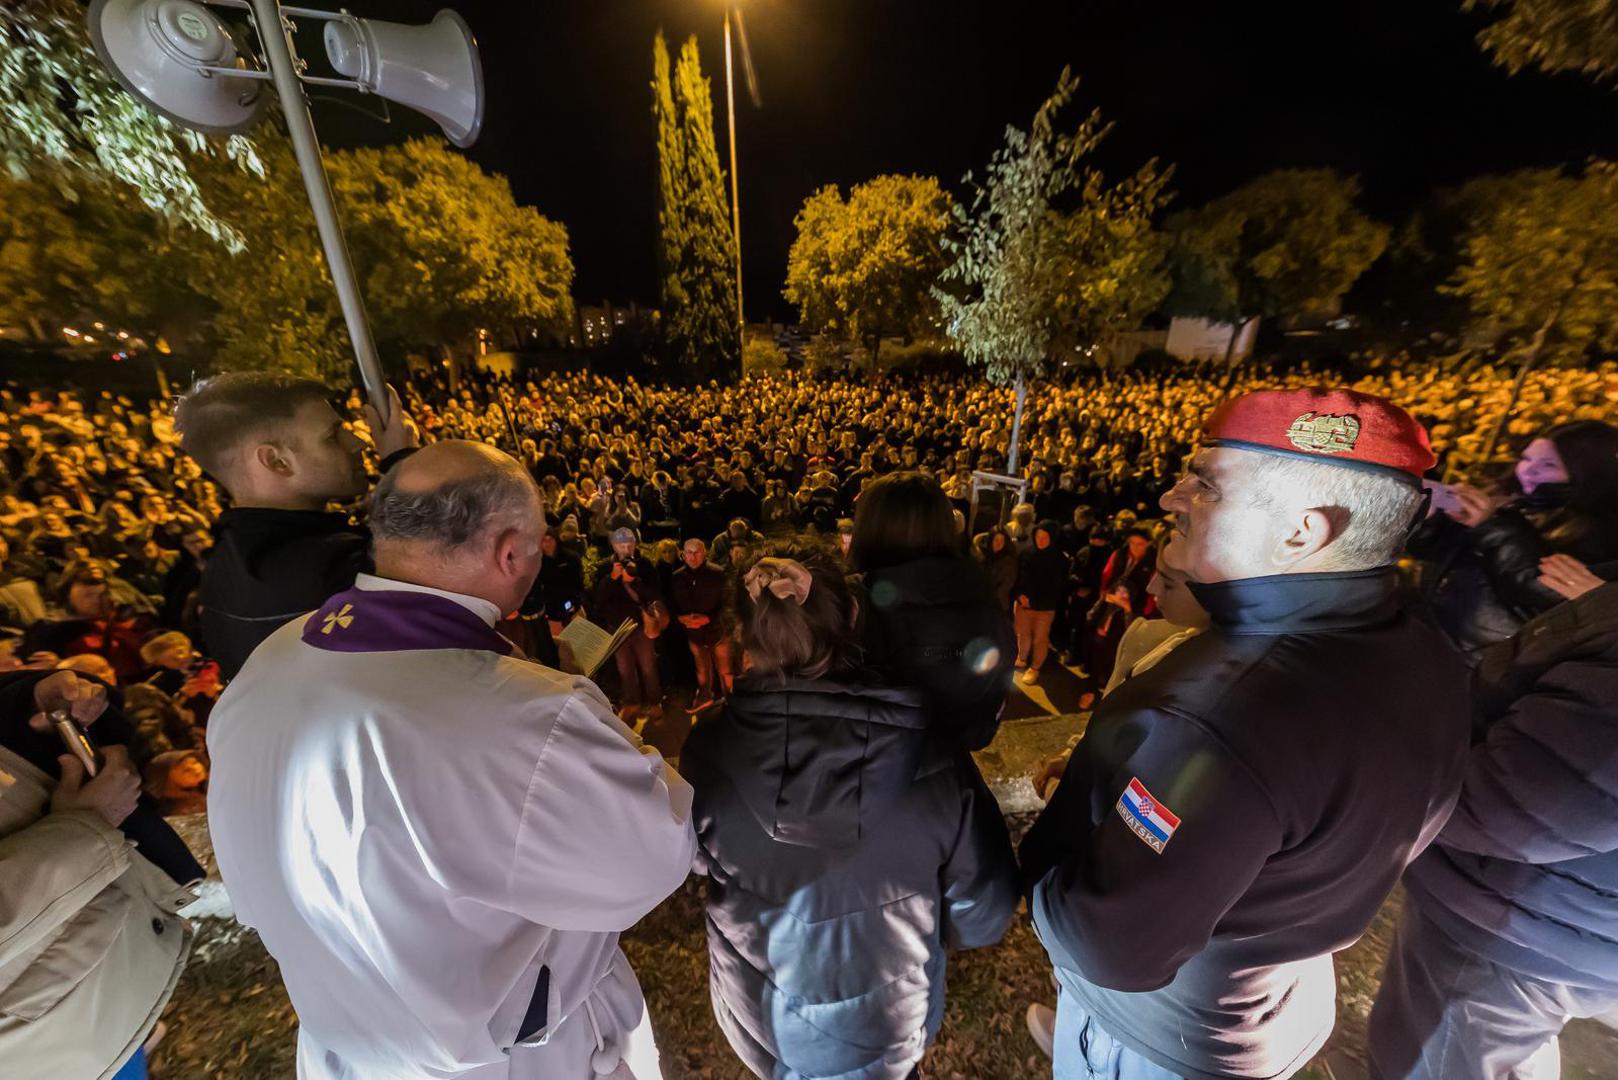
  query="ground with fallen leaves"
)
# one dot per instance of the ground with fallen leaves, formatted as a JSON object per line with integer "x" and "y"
{"x": 230, "y": 1018}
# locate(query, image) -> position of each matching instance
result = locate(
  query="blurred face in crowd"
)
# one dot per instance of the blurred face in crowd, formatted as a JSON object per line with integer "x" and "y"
{"x": 1540, "y": 464}
{"x": 695, "y": 553}
{"x": 547, "y": 545}
{"x": 1174, "y": 598}
{"x": 89, "y": 599}
{"x": 1137, "y": 546}
{"x": 624, "y": 549}
{"x": 1042, "y": 539}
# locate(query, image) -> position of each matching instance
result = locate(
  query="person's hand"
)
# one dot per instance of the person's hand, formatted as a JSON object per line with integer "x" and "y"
{"x": 1567, "y": 576}
{"x": 1049, "y": 772}
{"x": 617, "y": 570}
{"x": 42, "y": 661}
{"x": 399, "y": 433}
{"x": 1474, "y": 506}
{"x": 112, "y": 793}
{"x": 1022, "y": 601}
{"x": 85, "y": 698}
{"x": 697, "y": 621}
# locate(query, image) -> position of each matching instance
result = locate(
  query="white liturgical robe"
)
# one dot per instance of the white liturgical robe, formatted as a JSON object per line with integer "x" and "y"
{"x": 418, "y": 826}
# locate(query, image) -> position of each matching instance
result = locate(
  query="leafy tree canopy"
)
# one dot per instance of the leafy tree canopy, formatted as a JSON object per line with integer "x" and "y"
{"x": 866, "y": 266}
{"x": 1553, "y": 35}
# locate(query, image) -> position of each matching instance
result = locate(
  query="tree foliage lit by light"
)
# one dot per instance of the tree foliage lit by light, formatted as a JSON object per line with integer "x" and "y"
{"x": 864, "y": 267}
{"x": 1553, "y": 35}
{"x": 1540, "y": 260}
{"x": 62, "y": 118}
{"x": 1007, "y": 295}
{"x": 1290, "y": 242}
{"x": 441, "y": 249}
{"x": 696, "y": 249}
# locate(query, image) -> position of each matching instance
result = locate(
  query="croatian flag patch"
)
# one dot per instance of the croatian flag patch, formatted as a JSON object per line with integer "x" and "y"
{"x": 1146, "y": 817}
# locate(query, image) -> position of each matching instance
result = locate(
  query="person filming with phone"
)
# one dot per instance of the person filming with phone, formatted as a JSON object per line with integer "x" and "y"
{"x": 91, "y": 942}
{"x": 1480, "y": 549}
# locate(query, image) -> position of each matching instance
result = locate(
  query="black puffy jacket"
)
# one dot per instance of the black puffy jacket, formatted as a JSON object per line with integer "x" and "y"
{"x": 847, "y": 848}
{"x": 933, "y": 624}
{"x": 1526, "y": 871}
{"x": 1479, "y": 585}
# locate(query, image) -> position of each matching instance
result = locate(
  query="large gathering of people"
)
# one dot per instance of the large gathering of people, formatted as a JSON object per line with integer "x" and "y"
{"x": 1328, "y": 646}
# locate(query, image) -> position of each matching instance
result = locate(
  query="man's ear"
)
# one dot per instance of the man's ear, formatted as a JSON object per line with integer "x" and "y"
{"x": 272, "y": 459}
{"x": 1311, "y": 532}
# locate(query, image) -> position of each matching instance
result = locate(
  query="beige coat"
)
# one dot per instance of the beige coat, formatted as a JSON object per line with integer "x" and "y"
{"x": 90, "y": 942}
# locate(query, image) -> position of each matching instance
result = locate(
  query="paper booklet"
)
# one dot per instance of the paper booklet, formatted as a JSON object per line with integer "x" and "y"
{"x": 584, "y": 646}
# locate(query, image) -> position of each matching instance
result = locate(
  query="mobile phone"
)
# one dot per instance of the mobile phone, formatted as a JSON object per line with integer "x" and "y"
{"x": 76, "y": 740}
{"x": 1444, "y": 497}
{"x": 567, "y": 605}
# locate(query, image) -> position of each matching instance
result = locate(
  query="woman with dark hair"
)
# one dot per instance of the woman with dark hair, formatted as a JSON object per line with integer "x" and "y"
{"x": 1481, "y": 553}
{"x": 931, "y": 620}
{"x": 1041, "y": 587}
{"x": 846, "y": 847}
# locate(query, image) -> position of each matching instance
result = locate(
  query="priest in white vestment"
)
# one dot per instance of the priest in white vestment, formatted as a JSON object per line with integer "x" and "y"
{"x": 439, "y": 841}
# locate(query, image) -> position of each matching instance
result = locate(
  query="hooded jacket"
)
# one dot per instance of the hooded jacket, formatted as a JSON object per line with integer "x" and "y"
{"x": 847, "y": 848}
{"x": 933, "y": 624}
{"x": 1525, "y": 872}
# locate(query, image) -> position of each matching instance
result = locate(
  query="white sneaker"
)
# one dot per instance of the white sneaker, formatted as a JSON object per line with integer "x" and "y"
{"x": 1042, "y": 1028}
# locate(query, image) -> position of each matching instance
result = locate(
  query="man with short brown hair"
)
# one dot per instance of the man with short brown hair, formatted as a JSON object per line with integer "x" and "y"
{"x": 276, "y": 444}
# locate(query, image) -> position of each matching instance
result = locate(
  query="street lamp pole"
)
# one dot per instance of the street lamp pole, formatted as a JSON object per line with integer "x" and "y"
{"x": 735, "y": 190}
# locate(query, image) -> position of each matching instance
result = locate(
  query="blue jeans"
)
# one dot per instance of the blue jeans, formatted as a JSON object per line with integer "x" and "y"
{"x": 134, "y": 1068}
{"x": 1084, "y": 1050}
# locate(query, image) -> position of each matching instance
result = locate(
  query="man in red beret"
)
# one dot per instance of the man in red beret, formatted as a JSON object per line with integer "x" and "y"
{"x": 1239, "y": 813}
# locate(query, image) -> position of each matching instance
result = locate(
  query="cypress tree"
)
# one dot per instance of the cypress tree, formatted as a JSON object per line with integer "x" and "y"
{"x": 696, "y": 254}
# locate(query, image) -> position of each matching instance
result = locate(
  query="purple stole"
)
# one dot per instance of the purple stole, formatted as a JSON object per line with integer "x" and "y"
{"x": 362, "y": 620}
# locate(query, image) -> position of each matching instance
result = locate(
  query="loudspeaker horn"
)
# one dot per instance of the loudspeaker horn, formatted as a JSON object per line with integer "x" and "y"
{"x": 156, "y": 49}
{"x": 433, "y": 69}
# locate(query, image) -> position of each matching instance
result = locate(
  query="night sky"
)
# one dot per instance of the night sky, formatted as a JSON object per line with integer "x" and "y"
{"x": 1394, "y": 90}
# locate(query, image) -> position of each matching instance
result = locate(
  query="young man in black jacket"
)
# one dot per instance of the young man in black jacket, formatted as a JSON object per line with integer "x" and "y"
{"x": 1509, "y": 928}
{"x": 277, "y": 445}
{"x": 1241, "y": 811}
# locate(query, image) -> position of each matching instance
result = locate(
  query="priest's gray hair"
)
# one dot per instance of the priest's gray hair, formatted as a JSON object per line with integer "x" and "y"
{"x": 457, "y": 512}
{"x": 1373, "y": 513}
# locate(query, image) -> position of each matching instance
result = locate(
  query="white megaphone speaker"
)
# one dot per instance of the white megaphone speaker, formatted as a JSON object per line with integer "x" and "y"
{"x": 433, "y": 69}
{"x": 178, "y": 58}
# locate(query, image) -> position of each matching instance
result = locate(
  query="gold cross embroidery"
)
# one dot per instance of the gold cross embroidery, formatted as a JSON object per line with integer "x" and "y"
{"x": 337, "y": 619}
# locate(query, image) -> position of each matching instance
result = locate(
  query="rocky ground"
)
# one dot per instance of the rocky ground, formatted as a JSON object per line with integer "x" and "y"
{"x": 230, "y": 1017}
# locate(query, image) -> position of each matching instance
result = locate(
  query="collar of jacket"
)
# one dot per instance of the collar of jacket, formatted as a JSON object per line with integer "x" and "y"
{"x": 282, "y": 524}
{"x": 1301, "y": 603}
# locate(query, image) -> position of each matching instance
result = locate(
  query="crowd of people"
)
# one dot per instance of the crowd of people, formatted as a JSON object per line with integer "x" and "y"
{"x": 802, "y": 554}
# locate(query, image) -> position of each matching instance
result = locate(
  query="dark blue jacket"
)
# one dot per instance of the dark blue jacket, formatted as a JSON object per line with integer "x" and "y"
{"x": 1240, "y": 812}
{"x": 846, "y": 849}
{"x": 1526, "y": 872}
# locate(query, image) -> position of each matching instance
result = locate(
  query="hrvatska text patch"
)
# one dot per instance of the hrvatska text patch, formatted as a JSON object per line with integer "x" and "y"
{"x": 1147, "y": 818}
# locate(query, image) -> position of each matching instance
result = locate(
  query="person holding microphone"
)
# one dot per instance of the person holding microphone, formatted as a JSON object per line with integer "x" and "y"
{"x": 91, "y": 942}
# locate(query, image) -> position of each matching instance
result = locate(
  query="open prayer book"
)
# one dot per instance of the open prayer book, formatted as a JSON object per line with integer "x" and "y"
{"x": 584, "y": 646}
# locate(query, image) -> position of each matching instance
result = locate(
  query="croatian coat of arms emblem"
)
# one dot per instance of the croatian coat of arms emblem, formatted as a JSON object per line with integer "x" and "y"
{"x": 1324, "y": 433}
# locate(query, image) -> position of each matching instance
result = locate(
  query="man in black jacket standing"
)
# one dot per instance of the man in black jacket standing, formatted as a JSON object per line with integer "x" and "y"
{"x": 1240, "y": 812}
{"x": 1510, "y": 928}
{"x": 277, "y": 445}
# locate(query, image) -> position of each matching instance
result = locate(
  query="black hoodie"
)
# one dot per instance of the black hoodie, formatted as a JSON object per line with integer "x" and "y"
{"x": 267, "y": 568}
{"x": 847, "y": 847}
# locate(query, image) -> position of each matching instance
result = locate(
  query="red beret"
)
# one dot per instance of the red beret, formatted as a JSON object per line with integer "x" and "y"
{"x": 1334, "y": 427}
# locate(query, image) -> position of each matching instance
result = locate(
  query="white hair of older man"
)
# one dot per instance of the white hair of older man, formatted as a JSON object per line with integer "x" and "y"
{"x": 1379, "y": 509}
{"x": 454, "y": 515}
